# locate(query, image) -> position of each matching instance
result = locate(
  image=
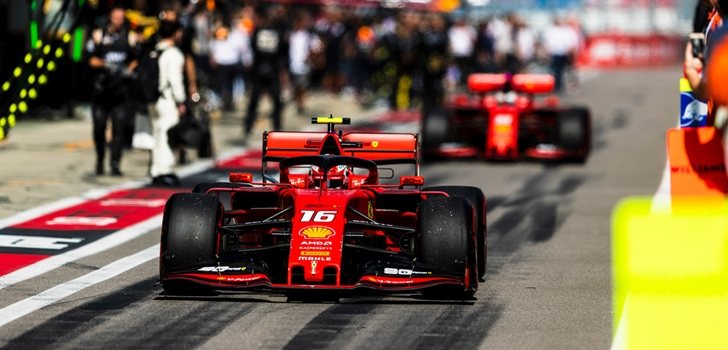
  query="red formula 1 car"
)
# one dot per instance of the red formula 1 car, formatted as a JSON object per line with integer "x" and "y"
{"x": 327, "y": 224}
{"x": 503, "y": 120}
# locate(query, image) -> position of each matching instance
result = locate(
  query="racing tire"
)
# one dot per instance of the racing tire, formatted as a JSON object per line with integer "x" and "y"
{"x": 446, "y": 243}
{"x": 574, "y": 132}
{"x": 434, "y": 131}
{"x": 476, "y": 198}
{"x": 189, "y": 236}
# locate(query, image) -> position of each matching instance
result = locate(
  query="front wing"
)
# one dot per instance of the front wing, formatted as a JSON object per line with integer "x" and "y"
{"x": 363, "y": 270}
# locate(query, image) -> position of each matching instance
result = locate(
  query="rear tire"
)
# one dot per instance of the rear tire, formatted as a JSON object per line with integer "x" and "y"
{"x": 574, "y": 132}
{"x": 446, "y": 242}
{"x": 435, "y": 126}
{"x": 189, "y": 235}
{"x": 476, "y": 198}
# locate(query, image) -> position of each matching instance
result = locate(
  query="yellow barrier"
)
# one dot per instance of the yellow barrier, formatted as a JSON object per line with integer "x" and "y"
{"x": 670, "y": 275}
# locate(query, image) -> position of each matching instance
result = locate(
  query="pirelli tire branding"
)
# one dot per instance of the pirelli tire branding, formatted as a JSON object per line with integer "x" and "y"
{"x": 315, "y": 253}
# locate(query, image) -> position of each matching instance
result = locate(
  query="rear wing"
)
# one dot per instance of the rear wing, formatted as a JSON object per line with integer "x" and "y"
{"x": 381, "y": 148}
{"x": 526, "y": 83}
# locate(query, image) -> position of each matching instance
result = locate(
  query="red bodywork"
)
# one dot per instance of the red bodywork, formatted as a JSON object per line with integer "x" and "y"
{"x": 502, "y": 119}
{"x": 300, "y": 234}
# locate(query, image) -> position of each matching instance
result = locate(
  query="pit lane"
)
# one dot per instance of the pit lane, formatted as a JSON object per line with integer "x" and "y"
{"x": 547, "y": 284}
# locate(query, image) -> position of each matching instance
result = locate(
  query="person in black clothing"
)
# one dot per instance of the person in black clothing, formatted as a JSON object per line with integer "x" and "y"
{"x": 270, "y": 59}
{"x": 112, "y": 56}
{"x": 434, "y": 61}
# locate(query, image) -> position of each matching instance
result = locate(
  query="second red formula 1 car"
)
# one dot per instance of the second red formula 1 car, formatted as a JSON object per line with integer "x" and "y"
{"x": 503, "y": 120}
{"x": 326, "y": 224}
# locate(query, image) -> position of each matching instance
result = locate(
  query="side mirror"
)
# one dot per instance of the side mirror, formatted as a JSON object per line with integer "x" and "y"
{"x": 241, "y": 177}
{"x": 411, "y": 181}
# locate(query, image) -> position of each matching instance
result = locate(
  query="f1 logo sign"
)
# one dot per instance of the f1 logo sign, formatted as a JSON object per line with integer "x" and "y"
{"x": 34, "y": 242}
{"x": 82, "y": 220}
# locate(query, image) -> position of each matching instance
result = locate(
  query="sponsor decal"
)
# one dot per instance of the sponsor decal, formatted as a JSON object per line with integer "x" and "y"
{"x": 316, "y": 232}
{"x": 318, "y": 247}
{"x": 315, "y": 253}
{"x": 503, "y": 119}
{"x": 699, "y": 168}
{"x": 312, "y": 244}
{"x": 241, "y": 279}
{"x": 296, "y": 181}
{"x": 220, "y": 269}
{"x": 314, "y": 258}
{"x": 313, "y": 267}
{"x": 503, "y": 123}
{"x": 404, "y": 272}
{"x": 391, "y": 281}
{"x": 375, "y": 144}
{"x": 370, "y": 210}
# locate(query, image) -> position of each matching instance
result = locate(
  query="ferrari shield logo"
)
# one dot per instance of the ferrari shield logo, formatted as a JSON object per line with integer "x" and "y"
{"x": 316, "y": 232}
{"x": 375, "y": 144}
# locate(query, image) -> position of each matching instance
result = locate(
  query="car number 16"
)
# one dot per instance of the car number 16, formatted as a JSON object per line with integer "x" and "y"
{"x": 318, "y": 215}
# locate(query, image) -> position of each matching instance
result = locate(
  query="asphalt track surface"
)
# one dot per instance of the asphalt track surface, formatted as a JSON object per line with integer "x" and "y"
{"x": 548, "y": 282}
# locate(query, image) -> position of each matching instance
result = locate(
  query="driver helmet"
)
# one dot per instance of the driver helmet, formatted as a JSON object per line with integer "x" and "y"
{"x": 337, "y": 176}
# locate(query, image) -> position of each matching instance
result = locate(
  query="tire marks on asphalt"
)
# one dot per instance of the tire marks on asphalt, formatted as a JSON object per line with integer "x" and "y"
{"x": 458, "y": 327}
{"x": 63, "y": 328}
{"x": 333, "y": 328}
{"x": 135, "y": 318}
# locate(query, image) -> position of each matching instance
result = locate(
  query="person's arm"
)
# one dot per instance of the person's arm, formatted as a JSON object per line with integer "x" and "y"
{"x": 93, "y": 47}
{"x": 692, "y": 69}
{"x": 191, "y": 77}
{"x": 134, "y": 52}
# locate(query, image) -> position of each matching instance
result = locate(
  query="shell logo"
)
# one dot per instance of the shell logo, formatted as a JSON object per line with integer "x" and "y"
{"x": 316, "y": 232}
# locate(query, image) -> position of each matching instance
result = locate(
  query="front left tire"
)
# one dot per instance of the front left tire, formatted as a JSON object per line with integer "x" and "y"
{"x": 189, "y": 235}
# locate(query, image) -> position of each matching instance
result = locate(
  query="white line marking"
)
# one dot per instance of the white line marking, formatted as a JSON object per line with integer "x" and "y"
{"x": 52, "y": 295}
{"x": 620, "y": 336}
{"x": 662, "y": 200}
{"x": 56, "y": 261}
{"x": 92, "y": 194}
{"x": 109, "y": 241}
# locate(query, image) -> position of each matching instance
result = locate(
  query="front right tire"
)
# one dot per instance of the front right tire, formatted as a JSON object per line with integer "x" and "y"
{"x": 574, "y": 132}
{"x": 476, "y": 198}
{"x": 447, "y": 243}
